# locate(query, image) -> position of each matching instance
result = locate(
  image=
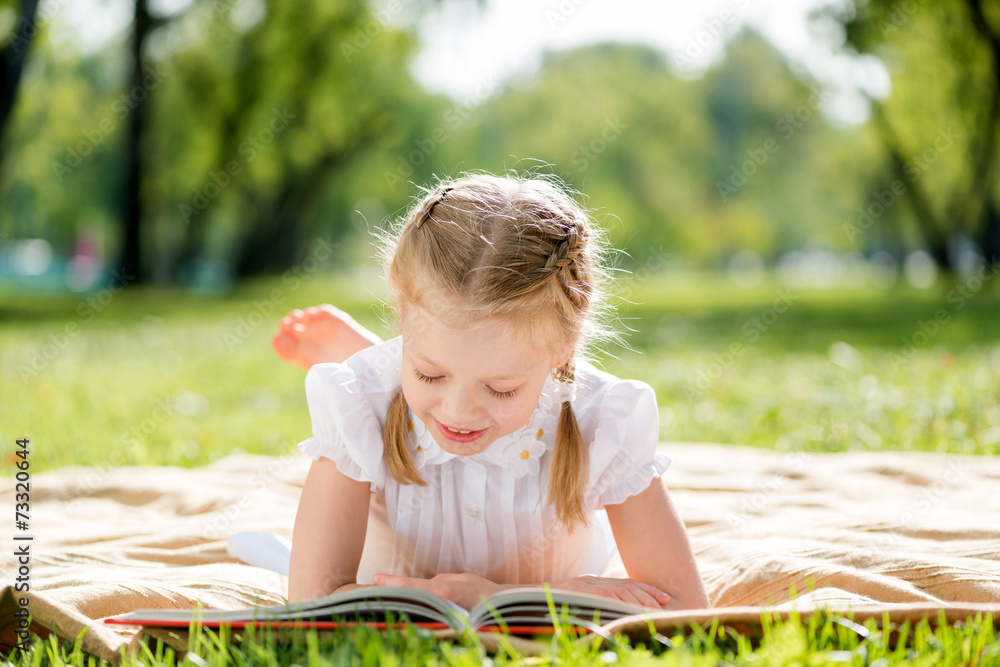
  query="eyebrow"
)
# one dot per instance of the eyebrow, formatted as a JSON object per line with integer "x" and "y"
{"x": 431, "y": 363}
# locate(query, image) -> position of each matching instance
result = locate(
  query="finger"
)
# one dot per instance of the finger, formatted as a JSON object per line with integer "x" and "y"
{"x": 626, "y": 595}
{"x": 645, "y": 599}
{"x": 658, "y": 595}
{"x": 648, "y": 589}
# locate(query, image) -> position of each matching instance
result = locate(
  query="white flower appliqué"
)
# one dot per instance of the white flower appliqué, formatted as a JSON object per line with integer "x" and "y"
{"x": 524, "y": 455}
{"x": 537, "y": 437}
{"x": 419, "y": 442}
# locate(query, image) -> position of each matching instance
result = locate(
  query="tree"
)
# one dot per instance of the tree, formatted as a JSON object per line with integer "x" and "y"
{"x": 12, "y": 60}
{"x": 939, "y": 126}
{"x": 262, "y": 118}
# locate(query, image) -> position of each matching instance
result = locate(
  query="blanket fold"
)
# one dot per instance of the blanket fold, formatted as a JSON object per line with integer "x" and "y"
{"x": 772, "y": 531}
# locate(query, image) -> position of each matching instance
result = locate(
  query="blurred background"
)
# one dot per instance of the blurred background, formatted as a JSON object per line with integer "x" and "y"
{"x": 805, "y": 195}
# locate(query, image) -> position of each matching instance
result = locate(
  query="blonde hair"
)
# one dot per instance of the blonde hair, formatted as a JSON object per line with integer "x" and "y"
{"x": 518, "y": 252}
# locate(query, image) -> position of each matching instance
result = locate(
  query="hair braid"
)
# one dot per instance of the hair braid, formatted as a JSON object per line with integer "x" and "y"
{"x": 394, "y": 440}
{"x": 519, "y": 252}
{"x": 561, "y": 261}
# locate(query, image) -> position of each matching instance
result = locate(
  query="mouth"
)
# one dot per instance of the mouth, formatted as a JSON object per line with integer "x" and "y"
{"x": 459, "y": 435}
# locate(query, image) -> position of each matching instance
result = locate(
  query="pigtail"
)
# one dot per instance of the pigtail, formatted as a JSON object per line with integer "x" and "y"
{"x": 395, "y": 437}
{"x": 568, "y": 474}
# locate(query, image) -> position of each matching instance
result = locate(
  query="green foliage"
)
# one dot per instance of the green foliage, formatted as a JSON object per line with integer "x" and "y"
{"x": 668, "y": 163}
{"x": 939, "y": 125}
{"x": 836, "y": 371}
{"x": 821, "y": 639}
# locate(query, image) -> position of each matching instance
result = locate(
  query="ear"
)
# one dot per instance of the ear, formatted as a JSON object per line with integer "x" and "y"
{"x": 564, "y": 355}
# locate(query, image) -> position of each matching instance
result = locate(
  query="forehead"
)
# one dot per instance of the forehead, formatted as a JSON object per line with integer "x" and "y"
{"x": 487, "y": 348}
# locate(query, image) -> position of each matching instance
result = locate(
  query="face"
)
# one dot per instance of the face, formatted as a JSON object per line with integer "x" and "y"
{"x": 469, "y": 386}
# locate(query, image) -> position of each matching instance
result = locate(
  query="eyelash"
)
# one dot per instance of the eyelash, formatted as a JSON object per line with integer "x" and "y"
{"x": 429, "y": 379}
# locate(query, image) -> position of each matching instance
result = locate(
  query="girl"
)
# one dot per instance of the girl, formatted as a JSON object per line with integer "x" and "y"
{"x": 476, "y": 451}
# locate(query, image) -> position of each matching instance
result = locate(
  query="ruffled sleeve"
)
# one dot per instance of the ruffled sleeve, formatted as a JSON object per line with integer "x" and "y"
{"x": 345, "y": 427}
{"x": 623, "y": 454}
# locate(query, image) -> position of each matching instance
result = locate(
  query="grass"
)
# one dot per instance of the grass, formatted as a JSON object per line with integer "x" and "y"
{"x": 166, "y": 378}
{"x": 816, "y": 640}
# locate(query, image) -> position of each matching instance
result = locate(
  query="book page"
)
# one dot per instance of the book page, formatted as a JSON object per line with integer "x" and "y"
{"x": 530, "y": 606}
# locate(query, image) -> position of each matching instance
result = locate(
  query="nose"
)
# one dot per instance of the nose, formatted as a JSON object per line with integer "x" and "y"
{"x": 460, "y": 406}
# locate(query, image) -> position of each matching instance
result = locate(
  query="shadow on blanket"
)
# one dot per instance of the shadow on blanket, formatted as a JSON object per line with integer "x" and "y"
{"x": 903, "y": 533}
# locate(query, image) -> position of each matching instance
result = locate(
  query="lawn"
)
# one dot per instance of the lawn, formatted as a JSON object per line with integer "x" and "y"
{"x": 149, "y": 376}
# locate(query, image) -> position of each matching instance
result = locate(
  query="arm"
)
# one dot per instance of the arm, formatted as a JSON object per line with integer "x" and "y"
{"x": 329, "y": 533}
{"x": 658, "y": 562}
{"x": 655, "y": 548}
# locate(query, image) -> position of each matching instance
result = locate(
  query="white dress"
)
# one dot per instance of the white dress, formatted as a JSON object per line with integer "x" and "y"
{"x": 487, "y": 513}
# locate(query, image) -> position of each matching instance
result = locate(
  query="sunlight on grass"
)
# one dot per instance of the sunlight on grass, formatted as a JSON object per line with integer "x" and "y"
{"x": 822, "y": 639}
{"x": 163, "y": 378}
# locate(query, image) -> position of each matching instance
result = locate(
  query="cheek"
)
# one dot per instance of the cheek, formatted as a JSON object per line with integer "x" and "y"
{"x": 514, "y": 414}
{"x": 417, "y": 395}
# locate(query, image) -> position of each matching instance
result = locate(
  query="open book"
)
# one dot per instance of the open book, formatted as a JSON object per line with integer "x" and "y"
{"x": 518, "y": 609}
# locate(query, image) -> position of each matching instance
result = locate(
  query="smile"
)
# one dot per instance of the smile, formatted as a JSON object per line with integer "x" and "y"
{"x": 458, "y": 435}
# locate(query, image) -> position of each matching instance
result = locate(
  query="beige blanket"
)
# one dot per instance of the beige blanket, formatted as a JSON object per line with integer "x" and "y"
{"x": 904, "y": 532}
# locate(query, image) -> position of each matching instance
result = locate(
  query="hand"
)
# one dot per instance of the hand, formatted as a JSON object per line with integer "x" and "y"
{"x": 464, "y": 589}
{"x": 320, "y": 334}
{"x": 625, "y": 590}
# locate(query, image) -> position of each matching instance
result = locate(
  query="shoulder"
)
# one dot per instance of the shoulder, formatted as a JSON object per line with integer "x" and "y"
{"x": 620, "y": 421}
{"x": 348, "y": 404}
{"x": 371, "y": 376}
{"x": 602, "y": 397}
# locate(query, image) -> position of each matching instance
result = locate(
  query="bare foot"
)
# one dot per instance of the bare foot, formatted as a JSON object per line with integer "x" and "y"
{"x": 320, "y": 334}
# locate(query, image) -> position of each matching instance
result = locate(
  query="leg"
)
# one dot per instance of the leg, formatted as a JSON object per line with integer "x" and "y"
{"x": 320, "y": 334}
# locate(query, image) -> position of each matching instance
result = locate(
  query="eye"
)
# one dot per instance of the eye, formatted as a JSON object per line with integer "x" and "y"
{"x": 502, "y": 394}
{"x": 425, "y": 378}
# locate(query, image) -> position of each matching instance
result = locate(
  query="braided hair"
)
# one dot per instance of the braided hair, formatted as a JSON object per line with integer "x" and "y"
{"x": 507, "y": 249}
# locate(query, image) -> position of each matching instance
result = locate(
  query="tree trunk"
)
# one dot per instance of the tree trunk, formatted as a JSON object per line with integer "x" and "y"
{"x": 273, "y": 240}
{"x": 12, "y": 61}
{"x": 130, "y": 256}
{"x": 989, "y": 233}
